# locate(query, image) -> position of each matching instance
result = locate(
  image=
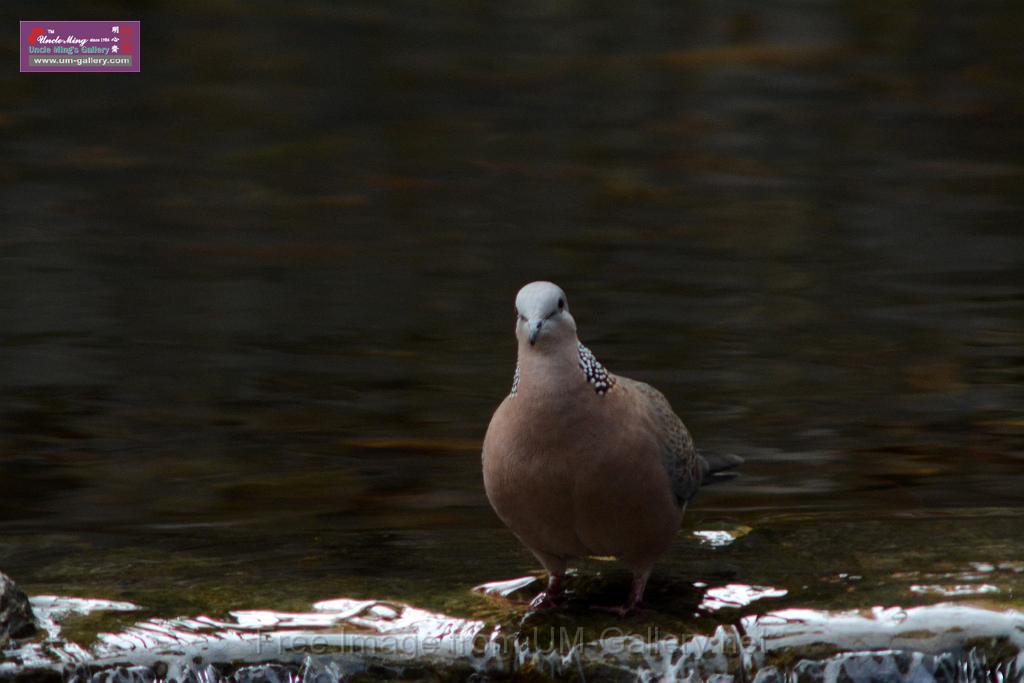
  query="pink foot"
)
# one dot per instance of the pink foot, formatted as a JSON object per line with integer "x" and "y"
{"x": 544, "y": 600}
{"x": 636, "y": 594}
{"x": 623, "y": 610}
{"x": 548, "y": 598}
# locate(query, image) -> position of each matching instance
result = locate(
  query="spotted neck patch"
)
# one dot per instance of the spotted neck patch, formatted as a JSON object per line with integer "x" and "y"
{"x": 599, "y": 378}
{"x": 596, "y": 375}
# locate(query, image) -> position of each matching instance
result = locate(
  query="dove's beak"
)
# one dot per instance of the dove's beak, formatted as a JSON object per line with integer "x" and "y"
{"x": 534, "y": 330}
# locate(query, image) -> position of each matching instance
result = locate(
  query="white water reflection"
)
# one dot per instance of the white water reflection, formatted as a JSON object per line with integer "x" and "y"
{"x": 368, "y": 626}
{"x": 720, "y": 538}
{"x": 344, "y": 635}
{"x": 955, "y": 590}
{"x": 506, "y": 588}
{"x": 934, "y": 628}
{"x": 737, "y": 595}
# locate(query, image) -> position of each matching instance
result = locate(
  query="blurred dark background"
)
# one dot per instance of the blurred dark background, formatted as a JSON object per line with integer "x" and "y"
{"x": 263, "y": 289}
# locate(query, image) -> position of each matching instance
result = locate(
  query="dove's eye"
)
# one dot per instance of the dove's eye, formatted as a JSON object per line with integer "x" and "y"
{"x": 561, "y": 304}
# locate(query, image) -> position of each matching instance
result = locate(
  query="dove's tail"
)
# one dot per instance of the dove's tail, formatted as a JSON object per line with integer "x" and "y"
{"x": 716, "y": 467}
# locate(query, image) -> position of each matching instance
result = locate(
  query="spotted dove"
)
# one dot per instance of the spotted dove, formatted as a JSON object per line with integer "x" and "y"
{"x": 579, "y": 462}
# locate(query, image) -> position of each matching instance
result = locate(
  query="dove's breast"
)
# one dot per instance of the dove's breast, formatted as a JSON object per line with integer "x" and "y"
{"x": 529, "y": 481}
{"x": 580, "y": 477}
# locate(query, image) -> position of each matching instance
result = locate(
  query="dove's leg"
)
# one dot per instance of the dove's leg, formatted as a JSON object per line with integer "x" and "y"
{"x": 556, "y": 567}
{"x": 636, "y": 594}
{"x": 548, "y": 597}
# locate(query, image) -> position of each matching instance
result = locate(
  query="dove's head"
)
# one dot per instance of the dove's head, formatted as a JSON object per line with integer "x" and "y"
{"x": 543, "y": 316}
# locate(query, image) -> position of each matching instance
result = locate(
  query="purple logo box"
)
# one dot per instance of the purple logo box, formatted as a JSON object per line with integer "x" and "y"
{"x": 79, "y": 46}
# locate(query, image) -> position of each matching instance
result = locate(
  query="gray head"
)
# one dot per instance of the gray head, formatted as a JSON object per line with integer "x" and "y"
{"x": 544, "y": 319}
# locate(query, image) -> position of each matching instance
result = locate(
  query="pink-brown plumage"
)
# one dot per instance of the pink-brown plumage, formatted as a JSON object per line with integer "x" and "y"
{"x": 578, "y": 463}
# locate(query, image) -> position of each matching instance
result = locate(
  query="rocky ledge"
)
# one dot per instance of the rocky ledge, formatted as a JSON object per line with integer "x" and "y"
{"x": 346, "y": 639}
{"x": 16, "y": 619}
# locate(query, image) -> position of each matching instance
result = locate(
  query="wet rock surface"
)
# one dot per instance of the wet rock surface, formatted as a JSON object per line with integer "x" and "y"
{"x": 347, "y": 639}
{"x": 16, "y": 619}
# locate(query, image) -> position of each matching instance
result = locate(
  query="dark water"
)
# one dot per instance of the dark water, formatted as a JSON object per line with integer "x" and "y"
{"x": 256, "y": 301}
